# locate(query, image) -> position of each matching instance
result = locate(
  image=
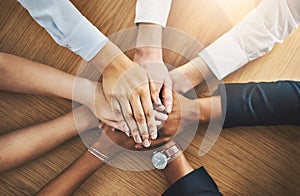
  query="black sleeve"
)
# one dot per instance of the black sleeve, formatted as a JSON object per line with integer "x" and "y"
{"x": 198, "y": 182}
{"x": 264, "y": 103}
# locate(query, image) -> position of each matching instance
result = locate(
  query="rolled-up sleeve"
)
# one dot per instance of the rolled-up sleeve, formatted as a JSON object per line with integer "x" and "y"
{"x": 269, "y": 23}
{"x": 67, "y": 26}
{"x": 152, "y": 11}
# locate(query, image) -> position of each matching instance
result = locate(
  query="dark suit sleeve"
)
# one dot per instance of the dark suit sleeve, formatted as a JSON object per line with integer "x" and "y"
{"x": 198, "y": 182}
{"x": 264, "y": 103}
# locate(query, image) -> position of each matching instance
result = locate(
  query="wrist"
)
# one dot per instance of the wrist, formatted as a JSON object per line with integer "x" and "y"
{"x": 107, "y": 54}
{"x": 106, "y": 146}
{"x": 118, "y": 65}
{"x": 210, "y": 109}
{"x": 177, "y": 169}
{"x": 192, "y": 110}
{"x": 148, "y": 54}
{"x": 84, "y": 119}
{"x": 149, "y": 35}
{"x": 84, "y": 91}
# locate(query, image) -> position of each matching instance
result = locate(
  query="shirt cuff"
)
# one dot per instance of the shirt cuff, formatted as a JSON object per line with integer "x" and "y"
{"x": 85, "y": 40}
{"x": 224, "y": 56}
{"x": 152, "y": 11}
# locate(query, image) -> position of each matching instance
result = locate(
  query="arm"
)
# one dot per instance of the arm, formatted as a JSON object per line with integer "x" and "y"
{"x": 269, "y": 23}
{"x": 151, "y": 17}
{"x": 124, "y": 91}
{"x": 71, "y": 178}
{"x": 26, "y": 144}
{"x": 271, "y": 103}
{"x": 24, "y": 76}
{"x": 185, "y": 180}
{"x": 263, "y": 103}
{"x": 21, "y": 75}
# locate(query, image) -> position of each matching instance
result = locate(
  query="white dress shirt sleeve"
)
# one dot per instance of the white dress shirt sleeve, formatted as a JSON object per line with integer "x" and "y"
{"x": 67, "y": 26}
{"x": 152, "y": 11}
{"x": 269, "y": 23}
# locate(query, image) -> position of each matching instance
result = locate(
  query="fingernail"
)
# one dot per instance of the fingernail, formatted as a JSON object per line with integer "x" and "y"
{"x": 126, "y": 128}
{"x": 146, "y": 143}
{"x": 154, "y": 135}
{"x": 137, "y": 139}
{"x": 159, "y": 101}
{"x": 113, "y": 129}
{"x": 164, "y": 116}
{"x": 127, "y": 133}
{"x": 168, "y": 109}
{"x": 101, "y": 124}
{"x": 158, "y": 122}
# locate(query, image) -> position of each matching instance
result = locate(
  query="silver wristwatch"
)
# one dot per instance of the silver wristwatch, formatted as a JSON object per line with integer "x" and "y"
{"x": 160, "y": 159}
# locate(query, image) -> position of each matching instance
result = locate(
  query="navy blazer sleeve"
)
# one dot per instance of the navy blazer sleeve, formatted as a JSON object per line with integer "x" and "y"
{"x": 263, "y": 103}
{"x": 198, "y": 182}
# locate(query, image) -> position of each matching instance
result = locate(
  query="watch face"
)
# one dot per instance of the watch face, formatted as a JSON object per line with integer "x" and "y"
{"x": 159, "y": 160}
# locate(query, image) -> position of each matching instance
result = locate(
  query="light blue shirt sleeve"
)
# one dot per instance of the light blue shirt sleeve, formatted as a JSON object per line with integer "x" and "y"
{"x": 67, "y": 26}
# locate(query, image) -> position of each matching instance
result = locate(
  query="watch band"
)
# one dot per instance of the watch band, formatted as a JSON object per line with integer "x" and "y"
{"x": 170, "y": 152}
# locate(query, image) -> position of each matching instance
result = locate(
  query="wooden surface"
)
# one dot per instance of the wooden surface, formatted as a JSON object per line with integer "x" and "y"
{"x": 244, "y": 161}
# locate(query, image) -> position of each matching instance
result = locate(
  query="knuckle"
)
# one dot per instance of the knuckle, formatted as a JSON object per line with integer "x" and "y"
{"x": 117, "y": 112}
{"x": 152, "y": 128}
{"x": 144, "y": 133}
{"x": 135, "y": 132}
{"x": 133, "y": 95}
{"x": 149, "y": 114}
{"x": 143, "y": 90}
{"x": 155, "y": 91}
{"x": 140, "y": 118}
{"x": 129, "y": 116}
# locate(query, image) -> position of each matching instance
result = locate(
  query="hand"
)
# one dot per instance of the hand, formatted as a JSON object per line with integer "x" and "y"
{"x": 128, "y": 89}
{"x": 185, "y": 113}
{"x": 148, "y": 53}
{"x": 150, "y": 58}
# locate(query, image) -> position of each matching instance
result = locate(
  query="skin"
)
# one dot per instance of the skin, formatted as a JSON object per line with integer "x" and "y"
{"x": 148, "y": 53}
{"x": 31, "y": 79}
{"x": 190, "y": 74}
{"x": 87, "y": 164}
{"x": 12, "y": 144}
{"x": 24, "y": 76}
{"x": 72, "y": 177}
{"x": 129, "y": 90}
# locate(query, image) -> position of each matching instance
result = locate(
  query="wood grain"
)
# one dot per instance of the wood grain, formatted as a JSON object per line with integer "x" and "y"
{"x": 244, "y": 161}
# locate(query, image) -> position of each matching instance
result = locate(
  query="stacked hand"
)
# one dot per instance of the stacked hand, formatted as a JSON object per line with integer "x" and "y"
{"x": 185, "y": 112}
{"x": 151, "y": 60}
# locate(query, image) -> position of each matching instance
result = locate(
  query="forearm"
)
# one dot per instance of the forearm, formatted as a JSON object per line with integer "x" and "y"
{"x": 27, "y": 144}
{"x": 149, "y": 43}
{"x": 190, "y": 75}
{"x": 269, "y": 23}
{"x": 210, "y": 109}
{"x": 264, "y": 103}
{"x": 71, "y": 178}
{"x": 24, "y": 76}
{"x": 67, "y": 26}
